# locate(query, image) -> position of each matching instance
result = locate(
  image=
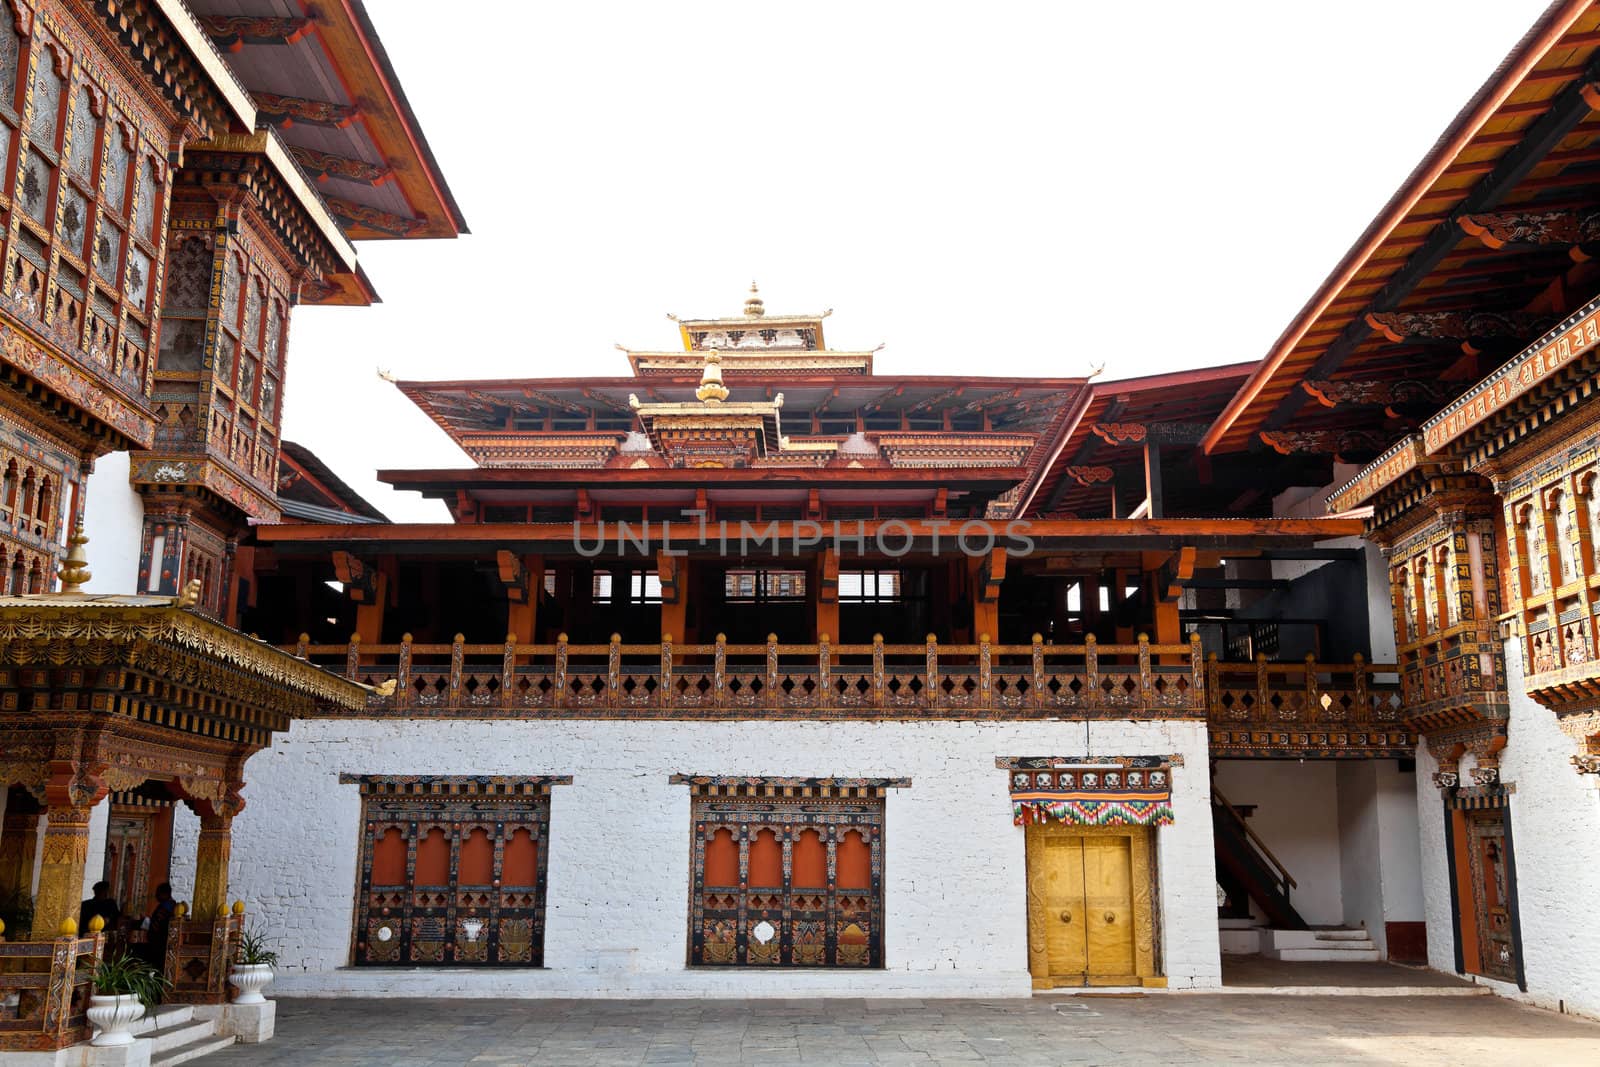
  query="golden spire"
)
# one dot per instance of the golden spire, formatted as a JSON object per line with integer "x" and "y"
{"x": 754, "y": 306}
{"x": 75, "y": 568}
{"x": 711, "y": 390}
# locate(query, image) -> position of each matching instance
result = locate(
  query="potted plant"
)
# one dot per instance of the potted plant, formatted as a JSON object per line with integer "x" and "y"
{"x": 252, "y": 966}
{"x": 125, "y": 987}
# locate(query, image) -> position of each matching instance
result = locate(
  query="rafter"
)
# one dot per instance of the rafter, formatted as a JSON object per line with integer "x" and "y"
{"x": 1473, "y": 330}
{"x": 285, "y": 111}
{"x": 1163, "y": 433}
{"x": 325, "y": 165}
{"x": 1408, "y": 392}
{"x": 1346, "y": 446}
{"x": 1579, "y": 230}
{"x": 374, "y": 219}
{"x": 233, "y": 32}
{"x": 1566, "y": 111}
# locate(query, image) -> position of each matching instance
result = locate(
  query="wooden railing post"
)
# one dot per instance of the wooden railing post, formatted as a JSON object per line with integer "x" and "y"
{"x": 1147, "y": 681}
{"x": 1213, "y": 688}
{"x": 1263, "y": 689}
{"x": 669, "y": 696}
{"x": 1313, "y": 708}
{"x": 508, "y": 670}
{"x": 824, "y": 695}
{"x": 457, "y": 656}
{"x": 719, "y": 672}
{"x": 934, "y": 692}
{"x": 352, "y": 656}
{"x": 1038, "y": 694}
{"x": 1091, "y": 672}
{"x": 1363, "y": 700}
{"x": 559, "y": 694}
{"x": 614, "y": 671}
{"x": 877, "y": 670}
{"x": 301, "y": 645}
{"x": 405, "y": 697}
{"x": 985, "y": 672}
{"x": 1199, "y": 684}
{"x": 772, "y": 669}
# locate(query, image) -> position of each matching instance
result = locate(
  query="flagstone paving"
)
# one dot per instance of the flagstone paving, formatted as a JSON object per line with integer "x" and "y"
{"x": 1156, "y": 1029}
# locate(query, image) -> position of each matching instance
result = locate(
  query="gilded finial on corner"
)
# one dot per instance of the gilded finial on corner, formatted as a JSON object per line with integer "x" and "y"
{"x": 711, "y": 390}
{"x": 754, "y": 306}
{"x": 387, "y": 688}
{"x": 191, "y": 593}
{"x": 75, "y": 568}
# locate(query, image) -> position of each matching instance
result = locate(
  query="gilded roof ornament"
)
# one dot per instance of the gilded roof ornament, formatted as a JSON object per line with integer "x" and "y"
{"x": 754, "y": 306}
{"x": 75, "y": 568}
{"x": 711, "y": 390}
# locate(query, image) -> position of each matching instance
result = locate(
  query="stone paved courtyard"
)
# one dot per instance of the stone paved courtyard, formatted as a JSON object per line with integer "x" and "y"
{"x": 1169, "y": 1029}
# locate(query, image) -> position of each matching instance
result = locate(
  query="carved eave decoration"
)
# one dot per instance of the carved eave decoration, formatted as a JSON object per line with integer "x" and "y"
{"x": 226, "y": 490}
{"x": 162, "y": 636}
{"x": 912, "y": 449}
{"x": 172, "y": 53}
{"x": 554, "y": 451}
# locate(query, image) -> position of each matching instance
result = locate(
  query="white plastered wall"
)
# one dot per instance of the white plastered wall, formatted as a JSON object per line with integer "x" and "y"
{"x": 1296, "y": 814}
{"x": 113, "y": 520}
{"x": 1380, "y": 861}
{"x": 1555, "y": 829}
{"x": 955, "y": 910}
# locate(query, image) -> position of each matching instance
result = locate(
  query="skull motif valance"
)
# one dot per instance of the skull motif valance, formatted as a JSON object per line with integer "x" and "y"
{"x": 1091, "y": 790}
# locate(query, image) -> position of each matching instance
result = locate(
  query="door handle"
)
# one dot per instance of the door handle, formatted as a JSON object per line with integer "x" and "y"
{"x": 1066, "y": 916}
{"x": 1111, "y": 917}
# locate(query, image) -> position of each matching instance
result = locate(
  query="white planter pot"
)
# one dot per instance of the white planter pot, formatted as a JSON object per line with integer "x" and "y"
{"x": 250, "y": 979}
{"x": 112, "y": 1016}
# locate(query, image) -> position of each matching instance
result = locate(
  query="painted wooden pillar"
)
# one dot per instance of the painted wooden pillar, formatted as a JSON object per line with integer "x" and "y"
{"x": 827, "y": 597}
{"x": 61, "y": 865}
{"x": 211, "y": 867}
{"x": 522, "y": 615}
{"x": 19, "y": 844}
{"x": 677, "y": 575}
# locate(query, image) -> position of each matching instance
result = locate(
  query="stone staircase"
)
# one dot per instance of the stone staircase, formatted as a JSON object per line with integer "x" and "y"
{"x": 1325, "y": 945}
{"x": 176, "y": 1036}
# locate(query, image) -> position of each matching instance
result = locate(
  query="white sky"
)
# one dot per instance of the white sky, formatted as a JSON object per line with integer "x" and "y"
{"x": 990, "y": 188}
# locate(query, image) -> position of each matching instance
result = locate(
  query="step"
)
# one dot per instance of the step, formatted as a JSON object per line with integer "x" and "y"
{"x": 1341, "y": 935}
{"x": 1327, "y": 955}
{"x": 191, "y": 1052}
{"x": 1325, "y": 938}
{"x": 167, "y": 1038}
{"x": 167, "y": 1015}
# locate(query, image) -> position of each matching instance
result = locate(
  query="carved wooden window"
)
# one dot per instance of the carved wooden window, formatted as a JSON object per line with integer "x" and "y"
{"x": 1531, "y": 536}
{"x": 452, "y": 870}
{"x": 190, "y": 261}
{"x": 46, "y": 92}
{"x": 1591, "y": 502}
{"x": 786, "y": 872}
{"x": 1428, "y": 595}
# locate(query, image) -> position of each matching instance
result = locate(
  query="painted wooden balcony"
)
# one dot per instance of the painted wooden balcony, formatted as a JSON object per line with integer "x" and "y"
{"x": 1306, "y": 709}
{"x": 1262, "y": 708}
{"x": 722, "y": 680}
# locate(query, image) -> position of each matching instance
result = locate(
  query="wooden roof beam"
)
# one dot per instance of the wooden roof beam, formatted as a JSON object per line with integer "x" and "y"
{"x": 324, "y": 165}
{"x": 1345, "y": 446}
{"x": 1397, "y": 398}
{"x": 233, "y": 32}
{"x": 1566, "y": 111}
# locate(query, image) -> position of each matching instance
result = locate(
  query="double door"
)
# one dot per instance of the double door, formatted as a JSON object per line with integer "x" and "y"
{"x": 1089, "y": 906}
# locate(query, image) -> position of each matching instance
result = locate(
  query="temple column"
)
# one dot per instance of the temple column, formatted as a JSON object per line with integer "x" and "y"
{"x": 211, "y": 867}
{"x": 61, "y": 864}
{"x": 19, "y": 844}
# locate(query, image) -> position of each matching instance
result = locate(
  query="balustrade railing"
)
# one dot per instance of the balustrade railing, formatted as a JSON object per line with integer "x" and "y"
{"x": 1353, "y": 695}
{"x": 44, "y": 990}
{"x": 723, "y": 678}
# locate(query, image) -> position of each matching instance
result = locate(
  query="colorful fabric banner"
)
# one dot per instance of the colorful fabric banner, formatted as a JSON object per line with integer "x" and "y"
{"x": 1092, "y": 809}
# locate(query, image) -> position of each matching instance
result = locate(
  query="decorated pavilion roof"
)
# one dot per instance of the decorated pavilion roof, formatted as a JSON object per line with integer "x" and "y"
{"x": 1110, "y": 430}
{"x": 310, "y": 491}
{"x": 1488, "y": 243}
{"x": 320, "y": 76}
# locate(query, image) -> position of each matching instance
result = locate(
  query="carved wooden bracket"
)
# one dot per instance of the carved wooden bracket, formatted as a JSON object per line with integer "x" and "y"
{"x": 1088, "y": 475}
{"x": 669, "y": 570}
{"x": 1161, "y": 433}
{"x": 828, "y": 577}
{"x": 360, "y": 577}
{"x": 1343, "y": 445}
{"x": 992, "y": 576}
{"x": 233, "y": 32}
{"x": 1390, "y": 395}
{"x": 1580, "y": 230}
{"x": 1475, "y": 330}
{"x": 513, "y": 575}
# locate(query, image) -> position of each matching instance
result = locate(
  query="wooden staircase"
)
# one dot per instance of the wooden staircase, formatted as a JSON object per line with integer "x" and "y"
{"x": 1247, "y": 862}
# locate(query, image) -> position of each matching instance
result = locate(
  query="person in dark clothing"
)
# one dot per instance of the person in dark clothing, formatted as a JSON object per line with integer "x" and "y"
{"x": 101, "y": 904}
{"x": 156, "y": 926}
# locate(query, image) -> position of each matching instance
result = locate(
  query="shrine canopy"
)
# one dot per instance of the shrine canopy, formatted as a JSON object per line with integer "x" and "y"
{"x": 103, "y": 692}
{"x": 1489, "y": 242}
{"x": 318, "y": 75}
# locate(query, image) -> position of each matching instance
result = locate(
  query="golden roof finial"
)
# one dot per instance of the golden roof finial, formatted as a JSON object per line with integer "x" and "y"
{"x": 754, "y": 306}
{"x": 711, "y": 390}
{"x": 75, "y": 568}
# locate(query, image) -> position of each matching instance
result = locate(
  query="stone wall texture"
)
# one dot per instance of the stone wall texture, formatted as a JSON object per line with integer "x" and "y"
{"x": 619, "y": 849}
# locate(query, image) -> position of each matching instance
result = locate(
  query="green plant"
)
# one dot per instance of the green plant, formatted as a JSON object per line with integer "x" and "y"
{"x": 253, "y": 948}
{"x": 128, "y": 975}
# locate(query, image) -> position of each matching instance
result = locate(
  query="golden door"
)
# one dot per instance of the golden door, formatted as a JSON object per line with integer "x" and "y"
{"x": 1089, "y": 920}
